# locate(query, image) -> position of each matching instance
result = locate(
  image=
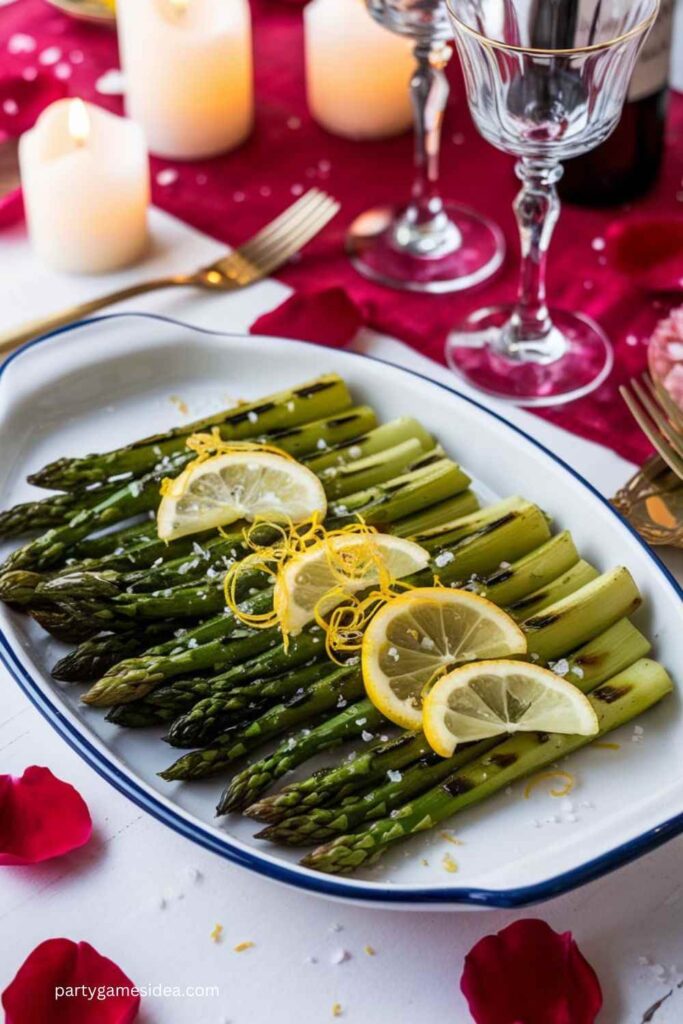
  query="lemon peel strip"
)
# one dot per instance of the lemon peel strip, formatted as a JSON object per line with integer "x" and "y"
{"x": 345, "y": 624}
{"x": 569, "y": 783}
{"x": 206, "y": 446}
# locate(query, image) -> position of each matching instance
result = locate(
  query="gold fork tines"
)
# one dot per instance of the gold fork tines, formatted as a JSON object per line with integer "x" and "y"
{"x": 268, "y": 250}
{"x": 659, "y": 418}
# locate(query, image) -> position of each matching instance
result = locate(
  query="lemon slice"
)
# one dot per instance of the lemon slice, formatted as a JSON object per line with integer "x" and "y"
{"x": 414, "y": 637}
{"x": 339, "y": 567}
{"x": 239, "y": 485}
{"x": 495, "y": 697}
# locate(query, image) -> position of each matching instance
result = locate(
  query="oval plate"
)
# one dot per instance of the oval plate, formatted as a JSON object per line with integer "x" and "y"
{"x": 107, "y": 381}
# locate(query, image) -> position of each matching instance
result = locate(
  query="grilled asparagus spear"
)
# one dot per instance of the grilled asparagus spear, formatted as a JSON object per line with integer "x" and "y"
{"x": 612, "y": 652}
{"x": 622, "y": 698}
{"x": 322, "y": 397}
{"x": 343, "y": 684}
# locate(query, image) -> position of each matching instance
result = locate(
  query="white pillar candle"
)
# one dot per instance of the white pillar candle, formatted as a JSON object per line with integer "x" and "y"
{"x": 357, "y": 72}
{"x": 188, "y": 71}
{"x": 85, "y": 179}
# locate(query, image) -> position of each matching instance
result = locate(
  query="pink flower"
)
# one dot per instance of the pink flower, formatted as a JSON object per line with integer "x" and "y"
{"x": 665, "y": 354}
{"x": 528, "y": 974}
{"x": 40, "y": 817}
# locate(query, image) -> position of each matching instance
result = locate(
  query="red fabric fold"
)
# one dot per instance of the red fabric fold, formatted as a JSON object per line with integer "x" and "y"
{"x": 11, "y": 208}
{"x": 23, "y": 100}
{"x": 648, "y": 251}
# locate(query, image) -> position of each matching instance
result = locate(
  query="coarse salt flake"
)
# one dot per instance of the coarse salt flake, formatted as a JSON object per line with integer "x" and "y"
{"x": 561, "y": 667}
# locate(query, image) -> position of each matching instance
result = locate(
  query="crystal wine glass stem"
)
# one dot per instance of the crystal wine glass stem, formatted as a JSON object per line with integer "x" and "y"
{"x": 430, "y": 90}
{"x": 425, "y": 228}
{"x": 530, "y": 335}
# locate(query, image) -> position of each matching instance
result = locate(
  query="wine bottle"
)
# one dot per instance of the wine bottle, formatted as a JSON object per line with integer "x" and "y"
{"x": 627, "y": 164}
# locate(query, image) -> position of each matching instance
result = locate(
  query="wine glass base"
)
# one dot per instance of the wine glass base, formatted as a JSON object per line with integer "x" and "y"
{"x": 472, "y": 352}
{"x": 476, "y": 252}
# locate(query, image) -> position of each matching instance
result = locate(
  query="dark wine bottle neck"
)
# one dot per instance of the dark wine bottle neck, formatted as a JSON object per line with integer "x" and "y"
{"x": 554, "y": 24}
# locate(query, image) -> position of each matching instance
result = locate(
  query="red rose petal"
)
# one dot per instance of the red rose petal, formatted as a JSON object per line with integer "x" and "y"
{"x": 22, "y": 101}
{"x": 649, "y": 250}
{"x": 40, "y": 817}
{"x": 528, "y": 974}
{"x": 34, "y": 996}
{"x": 327, "y": 316}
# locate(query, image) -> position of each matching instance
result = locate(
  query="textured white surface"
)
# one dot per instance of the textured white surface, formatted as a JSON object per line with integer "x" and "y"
{"x": 133, "y": 893}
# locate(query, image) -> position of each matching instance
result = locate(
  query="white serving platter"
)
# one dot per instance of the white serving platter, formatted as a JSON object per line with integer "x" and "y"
{"x": 117, "y": 378}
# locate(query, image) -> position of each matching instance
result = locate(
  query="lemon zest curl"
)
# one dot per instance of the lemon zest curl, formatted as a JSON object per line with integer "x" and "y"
{"x": 569, "y": 783}
{"x": 342, "y": 616}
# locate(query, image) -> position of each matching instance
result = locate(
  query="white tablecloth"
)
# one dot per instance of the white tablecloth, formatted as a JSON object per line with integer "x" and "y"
{"x": 149, "y": 899}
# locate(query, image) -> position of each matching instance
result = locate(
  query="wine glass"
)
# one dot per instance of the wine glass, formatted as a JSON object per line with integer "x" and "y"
{"x": 428, "y": 245}
{"x": 546, "y": 80}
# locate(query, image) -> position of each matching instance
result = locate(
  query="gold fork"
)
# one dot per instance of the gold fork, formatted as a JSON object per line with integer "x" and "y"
{"x": 260, "y": 256}
{"x": 652, "y": 500}
{"x": 658, "y": 417}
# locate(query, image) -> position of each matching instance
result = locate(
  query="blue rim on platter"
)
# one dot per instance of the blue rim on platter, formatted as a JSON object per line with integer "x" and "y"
{"x": 334, "y": 886}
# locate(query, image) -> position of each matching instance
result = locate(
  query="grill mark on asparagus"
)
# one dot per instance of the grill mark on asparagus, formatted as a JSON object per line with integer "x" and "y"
{"x": 540, "y": 622}
{"x": 526, "y": 602}
{"x": 340, "y": 421}
{"x": 502, "y": 576}
{"x": 588, "y": 660}
{"x": 610, "y": 694}
{"x": 503, "y": 760}
{"x": 430, "y": 459}
{"x": 495, "y": 524}
{"x": 457, "y": 786}
{"x": 483, "y": 531}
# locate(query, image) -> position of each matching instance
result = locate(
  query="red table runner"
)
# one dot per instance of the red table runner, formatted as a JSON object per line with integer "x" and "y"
{"x": 230, "y": 197}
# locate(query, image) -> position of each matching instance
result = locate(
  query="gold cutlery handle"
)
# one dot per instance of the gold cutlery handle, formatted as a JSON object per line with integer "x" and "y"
{"x": 12, "y": 339}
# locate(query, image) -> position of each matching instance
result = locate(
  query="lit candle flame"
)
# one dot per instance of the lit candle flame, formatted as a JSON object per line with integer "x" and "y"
{"x": 178, "y": 7}
{"x": 78, "y": 122}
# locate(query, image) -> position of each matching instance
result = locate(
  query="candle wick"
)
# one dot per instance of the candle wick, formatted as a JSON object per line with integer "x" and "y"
{"x": 78, "y": 122}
